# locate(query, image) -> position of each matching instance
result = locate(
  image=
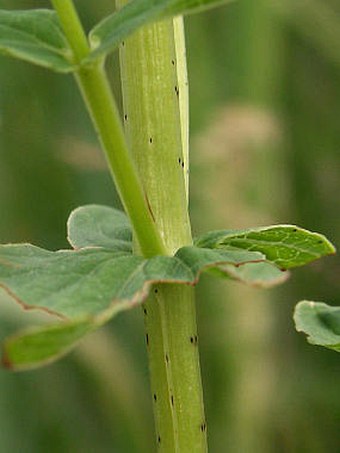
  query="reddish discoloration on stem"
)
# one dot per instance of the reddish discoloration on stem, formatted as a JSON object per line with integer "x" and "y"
{"x": 149, "y": 208}
{"x": 5, "y": 361}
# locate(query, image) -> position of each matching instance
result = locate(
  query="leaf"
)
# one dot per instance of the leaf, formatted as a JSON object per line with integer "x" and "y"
{"x": 321, "y": 323}
{"x": 99, "y": 226}
{"x": 41, "y": 346}
{"x": 35, "y": 36}
{"x": 287, "y": 246}
{"x": 88, "y": 281}
{"x": 91, "y": 284}
{"x": 67, "y": 283}
{"x": 262, "y": 275}
{"x": 106, "y": 227}
{"x": 106, "y": 35}
{"x": 87, "y": 286}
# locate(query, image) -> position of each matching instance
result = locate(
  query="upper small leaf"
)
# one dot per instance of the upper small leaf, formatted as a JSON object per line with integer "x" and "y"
{"x": 106, "y": 35}
{"x": 99, "y": 226}
{"x": 285, "y": 245}
{"x": 320, "y": 322}
{"x": 35, "y": 36}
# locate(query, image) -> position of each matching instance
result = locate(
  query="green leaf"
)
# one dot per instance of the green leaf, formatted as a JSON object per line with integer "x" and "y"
{"x": 320, "y": 322}
{"x": 262, "y": 275}
{"x": 68, "y": 283}
{"x": 99, "y": 226}
{"x": 88, "y": 281}
{"x": 88, "y": 285}
{"x": 101, "y": 277}
{"x": 91, "y": 284}
{"x": 287, "y": 246}
{"x": 35, "y": 36}
{"x": 106, "y": 36}
{"x": 37, "y": 347}
{"x": 94, "y": 225}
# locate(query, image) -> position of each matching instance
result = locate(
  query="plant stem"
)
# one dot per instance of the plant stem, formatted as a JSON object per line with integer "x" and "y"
{"x": 155, "y": 119}
{"x": 72, "y": 27}
{"x": 101, "y": 105}
{"x": 155, "y": 111}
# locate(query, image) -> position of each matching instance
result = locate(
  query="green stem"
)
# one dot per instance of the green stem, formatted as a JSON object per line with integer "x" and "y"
{"x": 155, "y": 112}
{"x": 155, "y": 118}
{"x": 101, "y": 105}
{"x": 72, "y": 27}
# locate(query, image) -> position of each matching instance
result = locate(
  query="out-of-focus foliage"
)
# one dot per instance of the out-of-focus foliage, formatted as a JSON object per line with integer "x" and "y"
{"x": 265, "y": 103}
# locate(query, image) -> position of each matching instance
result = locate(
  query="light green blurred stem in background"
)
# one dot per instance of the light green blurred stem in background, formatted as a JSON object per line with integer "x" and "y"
{"x": 154, "y": 88}
{"x": 257, "y": 63}
{"x": 102, "y": 108}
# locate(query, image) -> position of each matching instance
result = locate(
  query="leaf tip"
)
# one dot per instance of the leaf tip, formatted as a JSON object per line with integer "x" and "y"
{"x": 329, "y": 246}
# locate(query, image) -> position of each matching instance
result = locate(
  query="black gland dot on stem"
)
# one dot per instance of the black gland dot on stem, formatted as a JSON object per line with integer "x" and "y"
{"x": 150, "y": 140}
{"x": 147, "y": 339}
{"x": 166, "y": 358}
{"x": 173, "y": 62}
{"x": 145, "y": 311}
{"x": 125, "y": 117}
{"x": 155, "y": 397}
{"x": 172, "y": 400}
{"x": 156, "y": 291}
{"x": 159, "y": 439}
{"x": 203, "y": 427}
{"x": 182, "y": 164}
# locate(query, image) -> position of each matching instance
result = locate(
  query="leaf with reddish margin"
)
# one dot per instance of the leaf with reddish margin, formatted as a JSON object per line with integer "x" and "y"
{"x": 101, "y": 277}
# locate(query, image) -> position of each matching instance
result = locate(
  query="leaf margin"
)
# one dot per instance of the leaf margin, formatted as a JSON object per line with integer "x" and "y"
{"x": 308, "y": 321}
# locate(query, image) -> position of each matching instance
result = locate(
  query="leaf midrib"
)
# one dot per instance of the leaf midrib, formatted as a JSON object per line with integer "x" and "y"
{"x": 295, "y": 247}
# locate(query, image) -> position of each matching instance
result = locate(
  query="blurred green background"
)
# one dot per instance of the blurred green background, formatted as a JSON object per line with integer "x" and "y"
{"x": 265, "y": 143}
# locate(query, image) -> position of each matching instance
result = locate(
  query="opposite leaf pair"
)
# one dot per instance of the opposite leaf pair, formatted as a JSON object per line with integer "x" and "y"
{"x": 101, "y": 277}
